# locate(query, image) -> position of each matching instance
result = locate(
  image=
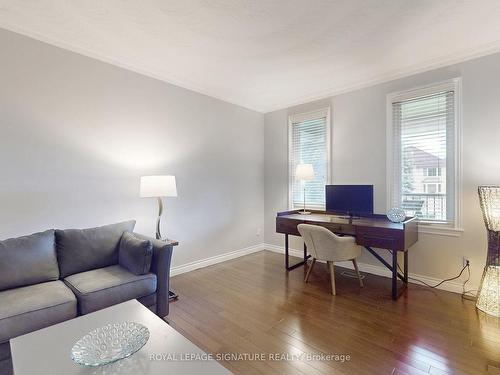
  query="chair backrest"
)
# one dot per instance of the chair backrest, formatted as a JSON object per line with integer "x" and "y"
{"x": 326, "y": 245}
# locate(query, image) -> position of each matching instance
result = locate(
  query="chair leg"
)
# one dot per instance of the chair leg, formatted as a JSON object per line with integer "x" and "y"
{"x": 332, "y": 277}
{"x": 310, "y": 269}
{"x": 357, "y": 272}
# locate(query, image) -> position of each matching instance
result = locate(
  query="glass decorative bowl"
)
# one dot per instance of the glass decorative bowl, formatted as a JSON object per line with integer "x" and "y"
{"x": 109, "y": 343}
{"x": 396, "y": 215}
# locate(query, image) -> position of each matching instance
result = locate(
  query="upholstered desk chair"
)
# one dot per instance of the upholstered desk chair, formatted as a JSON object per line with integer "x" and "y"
{"x": 325, "y": 245}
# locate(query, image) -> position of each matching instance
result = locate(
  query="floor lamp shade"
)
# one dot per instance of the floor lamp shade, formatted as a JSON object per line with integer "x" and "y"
{"x": 488, "y": 298}
{"x": 158, "y": 186}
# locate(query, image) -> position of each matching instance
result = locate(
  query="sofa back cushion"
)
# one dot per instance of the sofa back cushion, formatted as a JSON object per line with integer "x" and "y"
{"x": 135, "y": 254}
{"x": 28, "y": 260}
{"x": 80, "y": 250}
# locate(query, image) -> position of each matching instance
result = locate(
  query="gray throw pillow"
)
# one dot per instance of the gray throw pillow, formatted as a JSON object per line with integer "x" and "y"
{"x": 80, "y": 250}
{"x": 28, "y": 260}
{"x": 135, "y": 254}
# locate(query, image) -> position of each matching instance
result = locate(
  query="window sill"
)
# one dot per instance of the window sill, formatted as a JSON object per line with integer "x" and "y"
{"x": 439, "y": 230}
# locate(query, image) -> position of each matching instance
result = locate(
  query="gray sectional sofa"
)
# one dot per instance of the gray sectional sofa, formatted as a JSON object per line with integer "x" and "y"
{"x": 56, "y": 275}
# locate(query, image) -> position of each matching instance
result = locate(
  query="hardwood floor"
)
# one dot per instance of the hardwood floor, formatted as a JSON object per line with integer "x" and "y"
{"x": 251, "y": 305}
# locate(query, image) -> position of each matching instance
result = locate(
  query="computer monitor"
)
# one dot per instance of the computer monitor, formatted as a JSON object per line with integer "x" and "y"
{"x": 353, "y": 200}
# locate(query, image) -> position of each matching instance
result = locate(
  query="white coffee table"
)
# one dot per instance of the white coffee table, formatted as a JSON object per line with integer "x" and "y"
{"x": 47, "y": 351}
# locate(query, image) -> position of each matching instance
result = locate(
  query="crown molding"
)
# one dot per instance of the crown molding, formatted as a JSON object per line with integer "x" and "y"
{"x": 120, "y": 64}
{"x": 429, "y": 65}
{"x": 470, "y": 54}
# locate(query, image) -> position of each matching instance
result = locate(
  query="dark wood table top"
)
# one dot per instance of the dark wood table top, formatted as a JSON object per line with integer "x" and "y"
{"x": 170, "y": 242}
{"x": 376, "y": 220}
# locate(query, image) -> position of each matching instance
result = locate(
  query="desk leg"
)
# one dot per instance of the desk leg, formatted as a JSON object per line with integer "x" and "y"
{"x": 406, "y": 267}
{"x": 286, "y": 252}
{"x": 287, "y": 260}
{"x": 394, "y": 274}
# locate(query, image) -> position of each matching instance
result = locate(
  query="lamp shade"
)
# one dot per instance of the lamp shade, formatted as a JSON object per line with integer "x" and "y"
{"x": 158, "y": 186}
{"x": 489, "y": 198}
{"x": 304, "y": 172}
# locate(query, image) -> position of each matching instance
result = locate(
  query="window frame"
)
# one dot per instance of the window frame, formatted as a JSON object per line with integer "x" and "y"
{"x": 453, "y": 229}
{"x": 304, "y": 116}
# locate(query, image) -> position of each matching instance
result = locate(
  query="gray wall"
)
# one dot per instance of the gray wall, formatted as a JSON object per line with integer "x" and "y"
{"x": 359, "y": 156}
{"x": 76, "y": 134}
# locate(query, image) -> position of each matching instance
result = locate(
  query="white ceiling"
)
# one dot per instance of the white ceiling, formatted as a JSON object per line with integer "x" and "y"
{"x": 265, "y": 54}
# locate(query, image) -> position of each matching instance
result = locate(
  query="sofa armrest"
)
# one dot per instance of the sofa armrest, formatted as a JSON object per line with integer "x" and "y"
{"x": 160, "y": 265}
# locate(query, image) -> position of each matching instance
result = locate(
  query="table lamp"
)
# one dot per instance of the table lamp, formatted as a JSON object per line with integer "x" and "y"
{"x": 304, "y": 173}
{"x": 158, "y": 187}
{"x": 488, "y": 297}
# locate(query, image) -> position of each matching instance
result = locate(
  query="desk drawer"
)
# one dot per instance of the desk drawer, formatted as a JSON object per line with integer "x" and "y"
{"x": 339, "y": 228}
{"x": 381, "y": 238}
{"x": 287, "y": 226}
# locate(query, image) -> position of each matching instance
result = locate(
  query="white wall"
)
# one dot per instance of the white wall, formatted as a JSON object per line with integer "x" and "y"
{"x": 76, "y": 134}
{"x": 359, "y": 156}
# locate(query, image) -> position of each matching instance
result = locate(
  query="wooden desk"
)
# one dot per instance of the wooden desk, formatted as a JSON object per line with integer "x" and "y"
{"x": 374, "y": 231}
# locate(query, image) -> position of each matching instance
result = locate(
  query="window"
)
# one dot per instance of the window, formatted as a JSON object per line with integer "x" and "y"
{"x": 423, "y": 160}
{"x": 309, "y": 143}
{"x": 433, "y": 171}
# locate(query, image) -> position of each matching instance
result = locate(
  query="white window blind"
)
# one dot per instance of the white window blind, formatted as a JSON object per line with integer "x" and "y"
{"x": 424, "y": 153}
{"x": 309, "y": 143}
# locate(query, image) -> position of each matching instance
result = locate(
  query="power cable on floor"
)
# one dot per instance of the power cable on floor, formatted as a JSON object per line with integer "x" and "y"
{"x": 465, "y": 294}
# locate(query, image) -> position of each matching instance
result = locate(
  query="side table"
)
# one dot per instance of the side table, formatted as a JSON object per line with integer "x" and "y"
{"x": 172, "y": 296}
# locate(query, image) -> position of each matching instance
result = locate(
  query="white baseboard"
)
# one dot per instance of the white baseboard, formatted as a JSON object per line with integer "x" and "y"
{"x": 183, "y": 268}
{"x": 450, "y": 286}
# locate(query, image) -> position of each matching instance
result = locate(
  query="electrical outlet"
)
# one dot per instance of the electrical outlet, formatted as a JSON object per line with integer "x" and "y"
{"x": 465, "y": 261}
{"x": 257, "y": 233}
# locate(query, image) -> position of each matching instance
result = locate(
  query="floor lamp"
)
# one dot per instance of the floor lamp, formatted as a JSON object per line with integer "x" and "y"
{"x": 488, "y": 297}
{"x": 158, "y": 187}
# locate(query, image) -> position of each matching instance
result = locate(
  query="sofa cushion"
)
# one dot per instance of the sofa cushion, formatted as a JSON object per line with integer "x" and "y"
{"x": 33, "y": 307}
{"x": 4, "y": 351}
{"x": 28, "y": 260}
{"x": 80, "y": 250}
{"x": 6, "y": 367}
{"x": 135, "y": 254}
{"x": 108, "y": 286}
